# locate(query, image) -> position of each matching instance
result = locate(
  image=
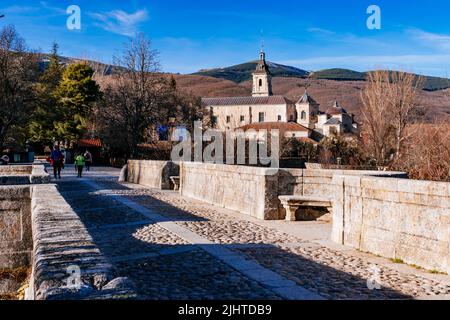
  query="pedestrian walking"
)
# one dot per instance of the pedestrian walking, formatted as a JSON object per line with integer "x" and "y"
{"x": 80, "y": 162}
{"x": 88, "y": 159}
{"x": 57, "y": 160}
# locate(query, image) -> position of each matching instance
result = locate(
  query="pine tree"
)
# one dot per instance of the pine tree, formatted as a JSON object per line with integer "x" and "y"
{"x": 77, "y": 92}
{"x": 42, "y": 126}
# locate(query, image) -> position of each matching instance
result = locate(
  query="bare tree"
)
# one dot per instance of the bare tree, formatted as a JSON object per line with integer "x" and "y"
{"x": 133, "y": 99}
{"x": 404, "y": 106}
{"x": 390, "y": 101}
{"x": 427, "y": 156}
{"x": 16, "y": 72}
{"x": 138, "y": 98}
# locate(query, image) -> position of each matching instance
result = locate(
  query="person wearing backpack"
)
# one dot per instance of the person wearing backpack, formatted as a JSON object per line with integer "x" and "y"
{"x": 88, "y": 159}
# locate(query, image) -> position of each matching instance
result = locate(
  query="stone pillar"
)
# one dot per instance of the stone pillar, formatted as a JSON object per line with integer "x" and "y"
{"x": 337, "y": 232}
{"x": 290, "y": 211}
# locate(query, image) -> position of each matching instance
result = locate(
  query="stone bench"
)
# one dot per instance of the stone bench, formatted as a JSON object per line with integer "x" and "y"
{"x": 293, "y": 203}
{"x": 176, "y": 183}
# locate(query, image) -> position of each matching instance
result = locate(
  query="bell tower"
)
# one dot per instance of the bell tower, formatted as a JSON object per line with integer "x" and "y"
{"x": 262, "y": 79}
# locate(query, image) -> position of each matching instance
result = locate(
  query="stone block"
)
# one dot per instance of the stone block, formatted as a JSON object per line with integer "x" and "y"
{"x": 154, "y": 174}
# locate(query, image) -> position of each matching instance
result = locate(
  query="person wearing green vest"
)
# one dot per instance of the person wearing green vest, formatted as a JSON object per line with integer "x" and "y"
{"x": 80, "y": 162}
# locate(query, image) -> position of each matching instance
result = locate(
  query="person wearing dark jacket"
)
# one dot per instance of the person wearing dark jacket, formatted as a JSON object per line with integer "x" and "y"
{"x": 57, "y": 158}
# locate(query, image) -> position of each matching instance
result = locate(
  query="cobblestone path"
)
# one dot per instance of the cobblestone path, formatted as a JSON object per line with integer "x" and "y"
{"x": 177, "y": 248}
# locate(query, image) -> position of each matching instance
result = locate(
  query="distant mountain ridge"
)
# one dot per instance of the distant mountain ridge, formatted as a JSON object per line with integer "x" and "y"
{"x": 430, "y": 83}
{"x": 325, "y": 85}
{"x": 243, "y": 72}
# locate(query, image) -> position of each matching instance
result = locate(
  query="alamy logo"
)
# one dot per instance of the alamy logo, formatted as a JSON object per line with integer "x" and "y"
{"x": 74, "y": 279}
{"x": 231, "y": 147}
{"x": 374, "y": 20}
{"x": 74, "y": 19}
{"x": 374, "y": 282}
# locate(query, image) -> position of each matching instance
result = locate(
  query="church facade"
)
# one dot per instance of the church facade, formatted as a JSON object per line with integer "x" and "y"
{"x": 265, "y": 110}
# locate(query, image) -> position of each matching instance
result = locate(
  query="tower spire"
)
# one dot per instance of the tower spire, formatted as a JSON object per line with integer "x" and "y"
{"x": 262, "y": 40}
{"x": 262, "y": 54}
{"x": 262, "y": 80}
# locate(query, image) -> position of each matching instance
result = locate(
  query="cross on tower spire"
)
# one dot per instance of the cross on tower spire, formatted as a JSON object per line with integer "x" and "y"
{"x": 262, "y": 40}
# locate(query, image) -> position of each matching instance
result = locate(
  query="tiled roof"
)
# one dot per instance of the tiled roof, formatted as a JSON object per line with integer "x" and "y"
{"x": 281, "y": 126}
{"x": 306, "y": 98}
{"x": 89, "y": 143}
{"x": 244, "y": 101}
{"x": 336, "y": 109}
{"x": 333, "y": 121}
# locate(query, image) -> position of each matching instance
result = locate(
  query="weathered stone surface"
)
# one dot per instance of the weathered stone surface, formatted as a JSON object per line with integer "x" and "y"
{"x": 15, "y": 226}
{"x": 61, "y": 241}
{"x": 15, "y": 169}
{"x": 39, "y": 175}
{"x": 154, "y": 174}
{"x": 23, "y": 174}
{"x": 249, "y": 190}
{"x": 395, "y": 218}
{"x": 323, "y": 270}
{"x": 255, "y": 191}
{"x": 123, "y": 174}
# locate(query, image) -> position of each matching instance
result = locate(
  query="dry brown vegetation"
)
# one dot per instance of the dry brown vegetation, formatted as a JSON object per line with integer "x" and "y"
{"x": 426, "y": 156}
{"x": 18, "y": 276}
{"x": 436, "y": 104}
{"x": 390, "y": 104}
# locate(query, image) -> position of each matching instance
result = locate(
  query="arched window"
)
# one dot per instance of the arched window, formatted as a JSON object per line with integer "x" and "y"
{"x": 303, "y": 115}
{"x": 260, "y": 82}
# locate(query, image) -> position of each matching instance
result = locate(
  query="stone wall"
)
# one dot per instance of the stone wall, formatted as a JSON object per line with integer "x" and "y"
{"x": 62, "y": 242}
{"x": 15, "y": 169}
{"x": 38, "y": 228}
{"x": 16, "y": 242}
{"x": 153, "y": 174}
{"x": 39, "y": 175}
{"x": 23, "y": 174}
{"x": 394, "y": 218}
{"x": 319, "y": 183}
{"x": 253, "y": 191}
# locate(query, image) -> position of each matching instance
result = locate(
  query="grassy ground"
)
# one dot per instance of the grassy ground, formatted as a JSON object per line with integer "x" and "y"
{"x": 19, "y": 276}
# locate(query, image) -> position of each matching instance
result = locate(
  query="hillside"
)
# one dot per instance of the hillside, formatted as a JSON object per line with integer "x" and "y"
{"x": 338, "y": 75}
{"x": 325, "y": 86}
{"x": 243, "y": 72}
{"x": 436, "y": 103}
{"x": 430, "y": 83}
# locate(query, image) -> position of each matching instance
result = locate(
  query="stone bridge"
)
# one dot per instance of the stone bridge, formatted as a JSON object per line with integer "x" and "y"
{"x": 136, "y": 241}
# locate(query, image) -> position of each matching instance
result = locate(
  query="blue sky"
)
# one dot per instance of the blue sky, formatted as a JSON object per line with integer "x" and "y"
{"x": 195, "y": 34}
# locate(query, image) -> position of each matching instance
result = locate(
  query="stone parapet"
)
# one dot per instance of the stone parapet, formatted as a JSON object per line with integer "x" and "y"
{"x": 62, "y": 245}
{"x": 23, "y": 174}
{"x": 253, "y": 191}
{"x": 153, "y": 174}
{"x": 394, "y": 218}
{"x": 39, "y": 175}
{"x": 16, "y": 242}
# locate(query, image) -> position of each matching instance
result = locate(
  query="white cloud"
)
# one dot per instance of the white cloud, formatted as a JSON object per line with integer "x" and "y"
{"x": 441, "y": 41}
{"x": 320, "y": 31}
{"x": 120, "y": 22}
{"x": 56, "y": 10}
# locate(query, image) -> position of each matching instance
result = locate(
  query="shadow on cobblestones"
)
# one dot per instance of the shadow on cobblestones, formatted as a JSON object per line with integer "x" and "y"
{"x": 164, "y": 266}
